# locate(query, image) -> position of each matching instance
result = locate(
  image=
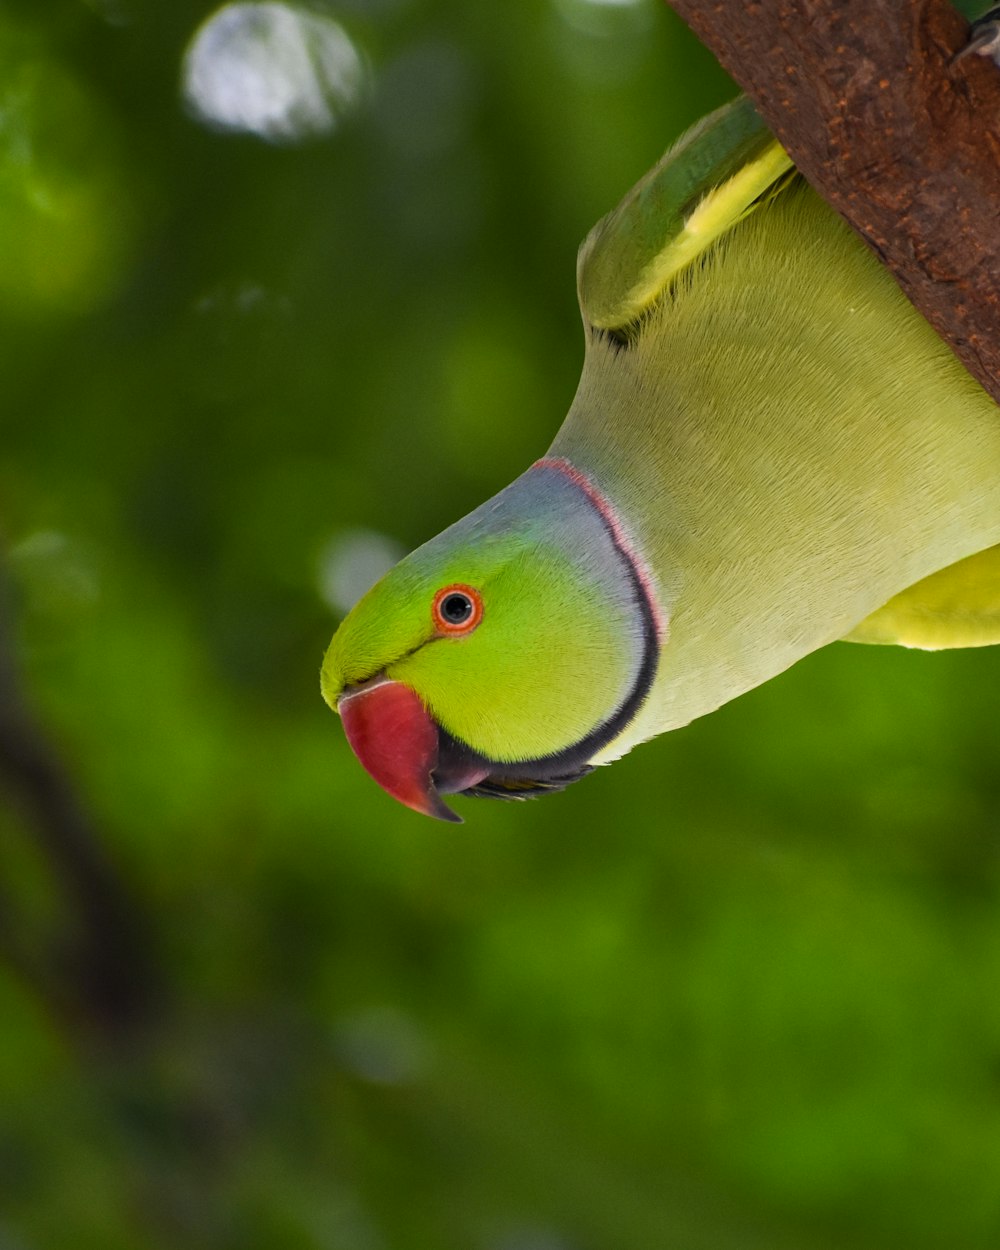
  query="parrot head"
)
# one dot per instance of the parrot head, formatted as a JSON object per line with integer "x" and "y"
{"x": 502, "y": 656}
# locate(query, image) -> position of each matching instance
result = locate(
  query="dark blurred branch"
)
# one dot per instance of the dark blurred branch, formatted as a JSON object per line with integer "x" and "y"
{"x": 101, "y": 968}
{"x": 903, "y": 142}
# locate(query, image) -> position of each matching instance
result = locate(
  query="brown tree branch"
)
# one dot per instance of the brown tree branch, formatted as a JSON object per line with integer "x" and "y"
{"x": 900, "y": 139}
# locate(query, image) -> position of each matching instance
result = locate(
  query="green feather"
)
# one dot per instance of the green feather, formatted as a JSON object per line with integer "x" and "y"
{"x": 956, "y": 607}
{"x": 716, "y": 174}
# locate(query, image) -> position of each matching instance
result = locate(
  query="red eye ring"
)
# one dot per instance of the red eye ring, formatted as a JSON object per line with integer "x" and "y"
{"x": 457, "y": 610}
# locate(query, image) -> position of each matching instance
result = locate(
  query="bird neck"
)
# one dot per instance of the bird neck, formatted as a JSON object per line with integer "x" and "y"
{"x": 790, "y": 445}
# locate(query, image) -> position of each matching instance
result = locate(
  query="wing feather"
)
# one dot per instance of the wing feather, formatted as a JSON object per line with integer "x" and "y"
{"x": 715, "y": 174}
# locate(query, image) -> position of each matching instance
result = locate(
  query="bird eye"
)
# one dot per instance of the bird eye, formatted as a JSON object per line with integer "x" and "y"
{"x": 457, "y": 609}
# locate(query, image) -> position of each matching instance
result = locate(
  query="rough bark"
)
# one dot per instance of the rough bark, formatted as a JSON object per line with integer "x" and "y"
{"x": 900, "y": 139}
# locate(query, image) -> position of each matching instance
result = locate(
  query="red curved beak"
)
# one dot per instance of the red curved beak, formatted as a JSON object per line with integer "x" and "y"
{"x": 392, "y": 734}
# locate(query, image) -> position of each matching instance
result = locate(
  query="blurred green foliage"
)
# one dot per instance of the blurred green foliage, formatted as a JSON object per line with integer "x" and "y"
{"x": 739, "y": 990}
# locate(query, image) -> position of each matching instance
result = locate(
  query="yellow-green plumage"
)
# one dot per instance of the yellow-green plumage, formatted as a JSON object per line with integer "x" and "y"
{"x": 956, "y": 607}
{"x": 793, "y": 446}
{"x": 772, "y": 450}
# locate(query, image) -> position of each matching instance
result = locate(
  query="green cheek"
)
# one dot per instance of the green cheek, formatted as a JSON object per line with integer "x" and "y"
{"x": 529, "y": 682}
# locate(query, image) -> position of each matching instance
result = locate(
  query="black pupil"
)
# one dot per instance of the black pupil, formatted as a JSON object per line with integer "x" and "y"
{"x": 456, "y": 609}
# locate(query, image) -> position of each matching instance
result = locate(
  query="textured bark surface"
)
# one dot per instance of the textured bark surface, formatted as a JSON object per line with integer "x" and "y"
{"x": 902, "y": 142}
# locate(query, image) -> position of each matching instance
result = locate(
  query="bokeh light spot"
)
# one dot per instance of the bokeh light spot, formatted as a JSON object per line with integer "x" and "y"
{"x": 382, "y": 1045}
{"x": 352, "y": 563}
{"x": 606, "y": 18}
{"x": 56, "y": 575}
{"x": 273, "y": 71}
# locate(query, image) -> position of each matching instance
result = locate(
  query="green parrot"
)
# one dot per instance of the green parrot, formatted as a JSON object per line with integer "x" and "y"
{"x": 769, "y": 449}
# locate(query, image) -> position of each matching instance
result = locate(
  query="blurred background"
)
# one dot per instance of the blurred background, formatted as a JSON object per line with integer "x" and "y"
{"x": 284, "y": 289}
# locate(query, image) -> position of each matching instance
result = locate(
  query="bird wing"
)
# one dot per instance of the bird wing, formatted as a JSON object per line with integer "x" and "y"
{"x": 715, "y": 174}
{"x": 958, "y": 606}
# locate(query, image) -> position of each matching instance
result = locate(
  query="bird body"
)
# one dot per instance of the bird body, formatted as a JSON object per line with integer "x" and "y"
{"x": 812, "y": 448}
{"x": 769, "y": 449}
